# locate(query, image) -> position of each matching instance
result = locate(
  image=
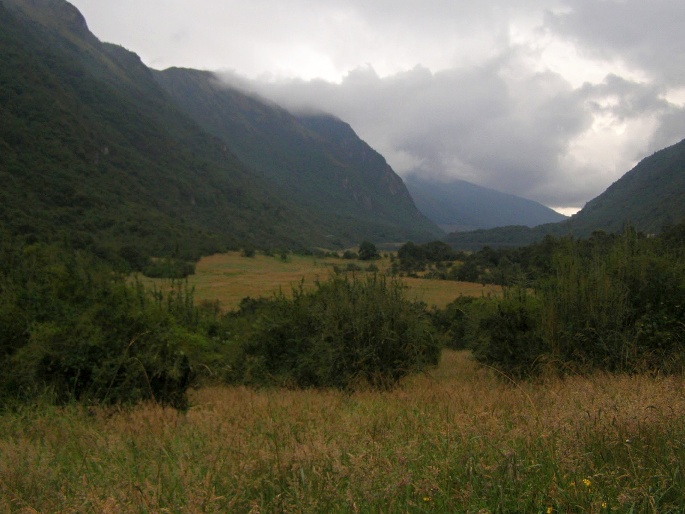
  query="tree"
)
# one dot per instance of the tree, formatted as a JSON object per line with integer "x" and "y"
{"x": 344, "y": 333}
{"x": 367, "y": 251}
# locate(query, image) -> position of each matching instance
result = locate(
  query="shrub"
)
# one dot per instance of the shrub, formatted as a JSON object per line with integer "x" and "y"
{"x": 79, "y": 332}
{"x": 93, "y": 365}
{"x": 168, "y": 267}
{"x": 614, "y": 304}
{"x": 459, "y": 321}
{"x": 367, "y": 251}
{"x": 509, "y": 338}
{"x": 248, "y": 251}
{"x": 345, "y": 332}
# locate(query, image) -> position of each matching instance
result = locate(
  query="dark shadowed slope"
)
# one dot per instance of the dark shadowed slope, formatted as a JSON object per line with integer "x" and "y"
{"x": 650, "y": 196}
{"x": 93, "y": 150}
{"x": 458, "y": 205}
{"x": 317, "y": 161}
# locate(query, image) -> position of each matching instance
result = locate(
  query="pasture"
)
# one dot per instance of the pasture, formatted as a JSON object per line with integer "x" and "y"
{"x": 230, "y": 277}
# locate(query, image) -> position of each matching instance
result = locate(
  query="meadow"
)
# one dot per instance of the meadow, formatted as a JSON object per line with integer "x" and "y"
{"x": 459, "y": 437}
{"x": 456, "y": 439}
{"x": 230, "y": 277}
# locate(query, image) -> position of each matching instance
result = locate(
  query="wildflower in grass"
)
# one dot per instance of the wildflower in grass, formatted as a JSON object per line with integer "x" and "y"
{"x": 550, "y": 510}
{"x": 604, "y": 505}
{"x": 587, "y": 482}
{"x": 427, "y": 499}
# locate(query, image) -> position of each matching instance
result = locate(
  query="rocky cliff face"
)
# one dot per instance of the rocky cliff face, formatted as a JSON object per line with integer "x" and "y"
{"x": 344, "y": 144}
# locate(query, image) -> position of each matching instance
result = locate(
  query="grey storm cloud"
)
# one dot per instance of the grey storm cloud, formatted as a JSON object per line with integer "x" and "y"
{"x": 646, "y": 35}
{"x": 552, "y": 100}
{"x": 474, "y": 123}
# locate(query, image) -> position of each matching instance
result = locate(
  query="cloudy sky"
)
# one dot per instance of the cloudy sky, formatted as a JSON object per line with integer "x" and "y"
{"x": 552, "y": 100}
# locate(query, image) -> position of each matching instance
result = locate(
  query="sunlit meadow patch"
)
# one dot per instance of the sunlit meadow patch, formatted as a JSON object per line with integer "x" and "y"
{"x": 230, "y": 277}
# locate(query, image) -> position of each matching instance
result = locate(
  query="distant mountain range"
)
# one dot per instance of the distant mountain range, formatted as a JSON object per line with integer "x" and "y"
{"x": 101, "y": 152}
{"x": 457, "y": 206}
{"x": 649, "y": 197}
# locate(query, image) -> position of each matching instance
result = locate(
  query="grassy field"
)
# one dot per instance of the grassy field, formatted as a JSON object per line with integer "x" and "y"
{"x": 459, "y": 439}
{"x": 230, "y": 277}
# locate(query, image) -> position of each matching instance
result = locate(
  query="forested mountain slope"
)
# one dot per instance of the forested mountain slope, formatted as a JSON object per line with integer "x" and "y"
{"x": 92, "y": 150}
{"x": 317, "y": 160}
{"x": 650, "y": 196}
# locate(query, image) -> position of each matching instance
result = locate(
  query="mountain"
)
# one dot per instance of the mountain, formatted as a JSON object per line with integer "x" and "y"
{"x": 649, "y": 197}
{"x": 317, "y": 160}
{"x": 95, "y": 152}
{"x": 458, "y": 205}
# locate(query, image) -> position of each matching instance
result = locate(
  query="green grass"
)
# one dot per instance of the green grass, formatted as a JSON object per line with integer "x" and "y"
{"x": 459, "y": 439}
{"x": 230, "y": 277}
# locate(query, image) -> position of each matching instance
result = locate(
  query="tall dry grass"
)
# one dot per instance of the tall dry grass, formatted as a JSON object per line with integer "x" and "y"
{"x": 459, "y": 439}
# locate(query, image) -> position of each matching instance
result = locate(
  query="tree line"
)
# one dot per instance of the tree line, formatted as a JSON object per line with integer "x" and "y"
{"x": 74, "y": 328}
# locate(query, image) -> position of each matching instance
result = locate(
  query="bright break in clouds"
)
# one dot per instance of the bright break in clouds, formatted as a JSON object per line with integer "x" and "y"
{"x": 549, "y": 100}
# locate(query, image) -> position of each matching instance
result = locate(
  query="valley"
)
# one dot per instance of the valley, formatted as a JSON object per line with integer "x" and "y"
{"x": 212, "y": 303}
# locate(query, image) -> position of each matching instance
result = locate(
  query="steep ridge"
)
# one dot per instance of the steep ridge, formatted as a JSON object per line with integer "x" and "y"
{"x": 650, "y": 196}
{"x": 316, "y": 160}
{"x": 93, "y": 151}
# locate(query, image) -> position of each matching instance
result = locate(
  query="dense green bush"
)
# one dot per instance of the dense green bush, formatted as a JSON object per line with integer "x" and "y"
{"x": 72, "y": 329}
{"x": 168, "y": 267}
{"x": 458, "y": 322}
{"x": 368, "y": 251}
{"x": 615, "y": 303}
{"x": 415, "y": 257}
{"x": 508, "y": 338}
{"x": 347, "y": 332}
